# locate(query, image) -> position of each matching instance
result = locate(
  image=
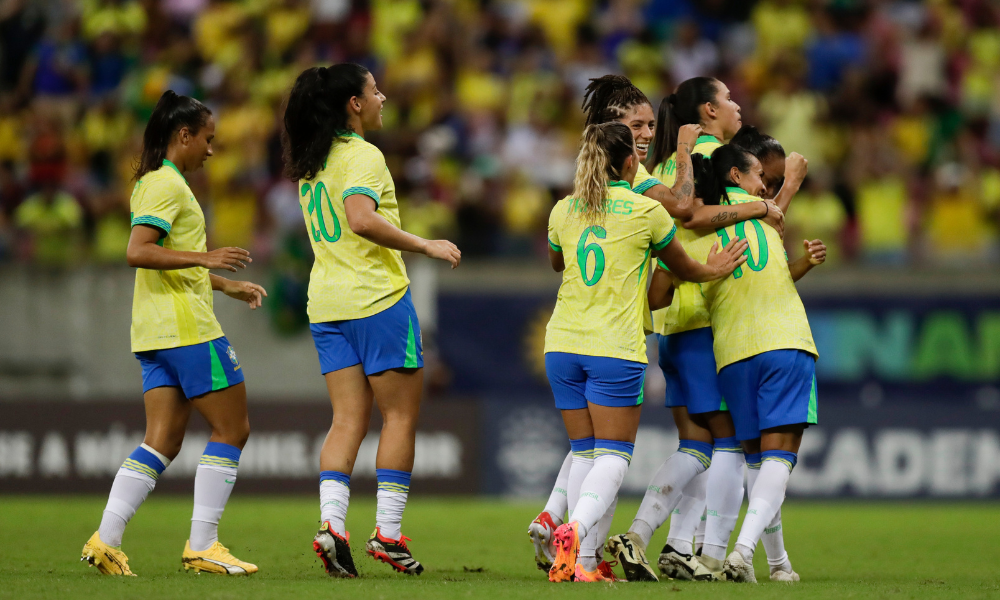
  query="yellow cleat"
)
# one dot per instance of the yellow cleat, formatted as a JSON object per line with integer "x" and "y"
{"x": 216, "y": 559}
{"x": 107, "y": 559}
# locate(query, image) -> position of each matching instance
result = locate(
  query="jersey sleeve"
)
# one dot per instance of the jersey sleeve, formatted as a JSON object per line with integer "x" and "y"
{"x": 365, "y": 174}
{"x": 661, "y": 227}
{"x": 555, "y": 219}
{"x": 643, "y": 181}
{"x": 157, "y": 205}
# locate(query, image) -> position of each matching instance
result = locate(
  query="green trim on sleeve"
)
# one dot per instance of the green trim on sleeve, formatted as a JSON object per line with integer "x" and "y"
{"x": 154, "y": 221}
{"x": 645, "y": 185}
{"x": 555, "y": 246}
{"x": 360, "y": 190}
{"x": 663, "y": 244}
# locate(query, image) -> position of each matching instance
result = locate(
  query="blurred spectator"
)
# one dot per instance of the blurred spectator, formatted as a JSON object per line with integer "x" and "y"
{"x": 690, "y": 54}
{"x": 51, "y": 223}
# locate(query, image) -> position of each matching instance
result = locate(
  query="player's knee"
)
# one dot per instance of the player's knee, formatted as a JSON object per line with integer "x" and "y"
{"x": 400, "y": 421}
{"x": 235, "y": 434}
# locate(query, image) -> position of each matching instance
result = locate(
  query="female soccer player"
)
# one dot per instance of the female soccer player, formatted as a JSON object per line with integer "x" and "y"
{"x": 363, "y": 321}
{"x": 614, "y": 98}
{"x": 186, "y": 360}
{"x": 595, "y": 354}
{"x": 766, "y": 374}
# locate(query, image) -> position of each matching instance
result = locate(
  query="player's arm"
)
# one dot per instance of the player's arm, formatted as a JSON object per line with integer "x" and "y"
{"x": 815, "y": 255}
{"x": 796, "y": 168}
{"x": 556, "y": 258}
{"x": 719, "y": 265}
{"x": 244, "y": 291}
{"x": 717, "y": 217}
{"x": 661, "y": 289}
{"x": 143, "y": 252}
{"x": 680, "y": 200}
{"x": 367, "y": 223}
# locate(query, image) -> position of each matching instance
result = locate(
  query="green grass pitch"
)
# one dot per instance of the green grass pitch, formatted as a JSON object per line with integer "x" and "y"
{"x": 479, "y": 548}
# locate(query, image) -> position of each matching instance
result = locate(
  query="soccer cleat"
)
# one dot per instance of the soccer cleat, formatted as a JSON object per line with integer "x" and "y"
{"x": 582, "y": 576}
{"x": 784, "y": 576}
{"x": 605, "y": 569}
{"x": 567, "y": 542}
{"x": 393, "y": 552}
{"x": 334, "y": 551}
{"x": 108, "y": 559}
{"x": 627, "y": 548}
{"x": 216, "y": 559}
{"x": 709, "y": 569}
{"x": 737, "y": 569}
{"x": 540, "y": 533}
{"x": 675, "y": 565}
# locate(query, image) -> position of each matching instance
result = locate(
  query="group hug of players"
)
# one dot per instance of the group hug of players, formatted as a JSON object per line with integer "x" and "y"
{"x": 735, "y": 344}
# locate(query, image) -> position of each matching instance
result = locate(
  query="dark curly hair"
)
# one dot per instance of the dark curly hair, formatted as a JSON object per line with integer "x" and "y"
{"x": 610, "y": 97}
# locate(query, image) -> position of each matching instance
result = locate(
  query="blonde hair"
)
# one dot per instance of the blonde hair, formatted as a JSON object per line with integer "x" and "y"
{"x": 602, "y": 155}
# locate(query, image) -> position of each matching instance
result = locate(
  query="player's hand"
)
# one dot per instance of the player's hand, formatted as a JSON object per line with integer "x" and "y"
{"x": 251, "y": 293}
{"x": 796, "y": 167}
{"x": 688, "y": 134}
{"x": 815, "y": 250}
{"x": 444, "y": 250}
{"x": 226, "y": 258}
{"x": 725, "y": 261}
{"x": 775, "y": 218}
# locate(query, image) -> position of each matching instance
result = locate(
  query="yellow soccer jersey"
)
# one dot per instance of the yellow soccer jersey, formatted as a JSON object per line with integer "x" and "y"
{"x": 643, "y": 180}
{"x": 756, "y": 309}
{"x": 171, "y": 308}
{"x": 687, "y": 311}
{"x": 602, "y": 309}
{"x": 352, "y": 277}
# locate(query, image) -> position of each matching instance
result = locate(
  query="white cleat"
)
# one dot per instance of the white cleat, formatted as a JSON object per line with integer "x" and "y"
{"x": 737, "y": 569}
{"x": 540, "y": 533}
{"x": 675, "y": 565}
{"x": 784, "y": 576}
{"x": 709, "y": 569}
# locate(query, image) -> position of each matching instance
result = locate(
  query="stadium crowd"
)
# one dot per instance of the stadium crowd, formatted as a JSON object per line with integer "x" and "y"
{"x": 894, "y": 103}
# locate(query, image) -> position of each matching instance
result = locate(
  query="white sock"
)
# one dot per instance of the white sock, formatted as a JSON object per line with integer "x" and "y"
{"x": 667, "y": 487}
{"x": 686, "y": 517}
{"x": 592, "y": 546}
{"x": 134, "y": 481}
{"x": 600, "y": 488}
{"x": 723, "y": 497}
{"x": 213, "y": 483}
{"x": 334, "y": 498}
{"x": 699, "y": 531}
{"x": 583, "y": 462}
{"x": 773, "y": 538}
{"x": 393, "y": 490}
{"x": 765, "y": 499}
{"x": 557, "y": 504}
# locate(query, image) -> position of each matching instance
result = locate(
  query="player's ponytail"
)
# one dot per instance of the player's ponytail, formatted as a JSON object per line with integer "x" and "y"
{"x": 315, "y": 115}
{"x": 172, "y": 113}
{"x": 610, "y": 97}
{"x": 711, "y": 175}
{"x": 761, "y": 145}
{"x": 602, "y": 158}
{"x": 680, "y": 108}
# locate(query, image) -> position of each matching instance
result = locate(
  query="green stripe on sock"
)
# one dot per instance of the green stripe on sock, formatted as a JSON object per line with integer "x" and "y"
{"x": 219, "y": 380}
{"x": 411, "y": 349}
{"x": 811, "y": 416}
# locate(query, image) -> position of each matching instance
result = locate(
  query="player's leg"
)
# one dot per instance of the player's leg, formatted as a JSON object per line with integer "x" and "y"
{"x": 786, "y": 400}
{"x": 773, "y": 538}
{"x": 351, "y": 397}
{"x": 397, "y": 393}
{"x": 167, "y": 412}
{"x": 678, "y": 560}
{"x": 541, "y": 529}
{"x": 580, "y": 429}
{"x": 724, "y": 492}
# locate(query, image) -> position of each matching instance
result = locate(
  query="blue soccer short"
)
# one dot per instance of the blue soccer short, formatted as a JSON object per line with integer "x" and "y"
{"x": 576, "y": 378}
{"x": 769, "y": 390}
{"x": 197, "y": 369}
{"x": 383, "y": 341}
{"x": 687, "y": 360}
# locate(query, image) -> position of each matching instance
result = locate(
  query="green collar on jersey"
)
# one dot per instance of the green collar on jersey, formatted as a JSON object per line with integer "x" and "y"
{"x": 736, "y": 190}
{"x": 167, "y": 163}
{"x": 619, "y": 183}
{"x": 349, "y": 134}
{"x": 709, "y": 139}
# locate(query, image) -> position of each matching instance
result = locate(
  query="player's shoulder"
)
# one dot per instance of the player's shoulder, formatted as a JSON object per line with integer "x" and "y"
{"x": 162, "y": 181}
{"x": 362, "y": 149}
{"x": 740, "y": 197}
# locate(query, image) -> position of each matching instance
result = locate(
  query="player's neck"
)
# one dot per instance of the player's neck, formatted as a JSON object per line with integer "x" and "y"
{"x": 174, "y": 156}
{"x": 713, "y": 129}
{"x": 354, "y": 124}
